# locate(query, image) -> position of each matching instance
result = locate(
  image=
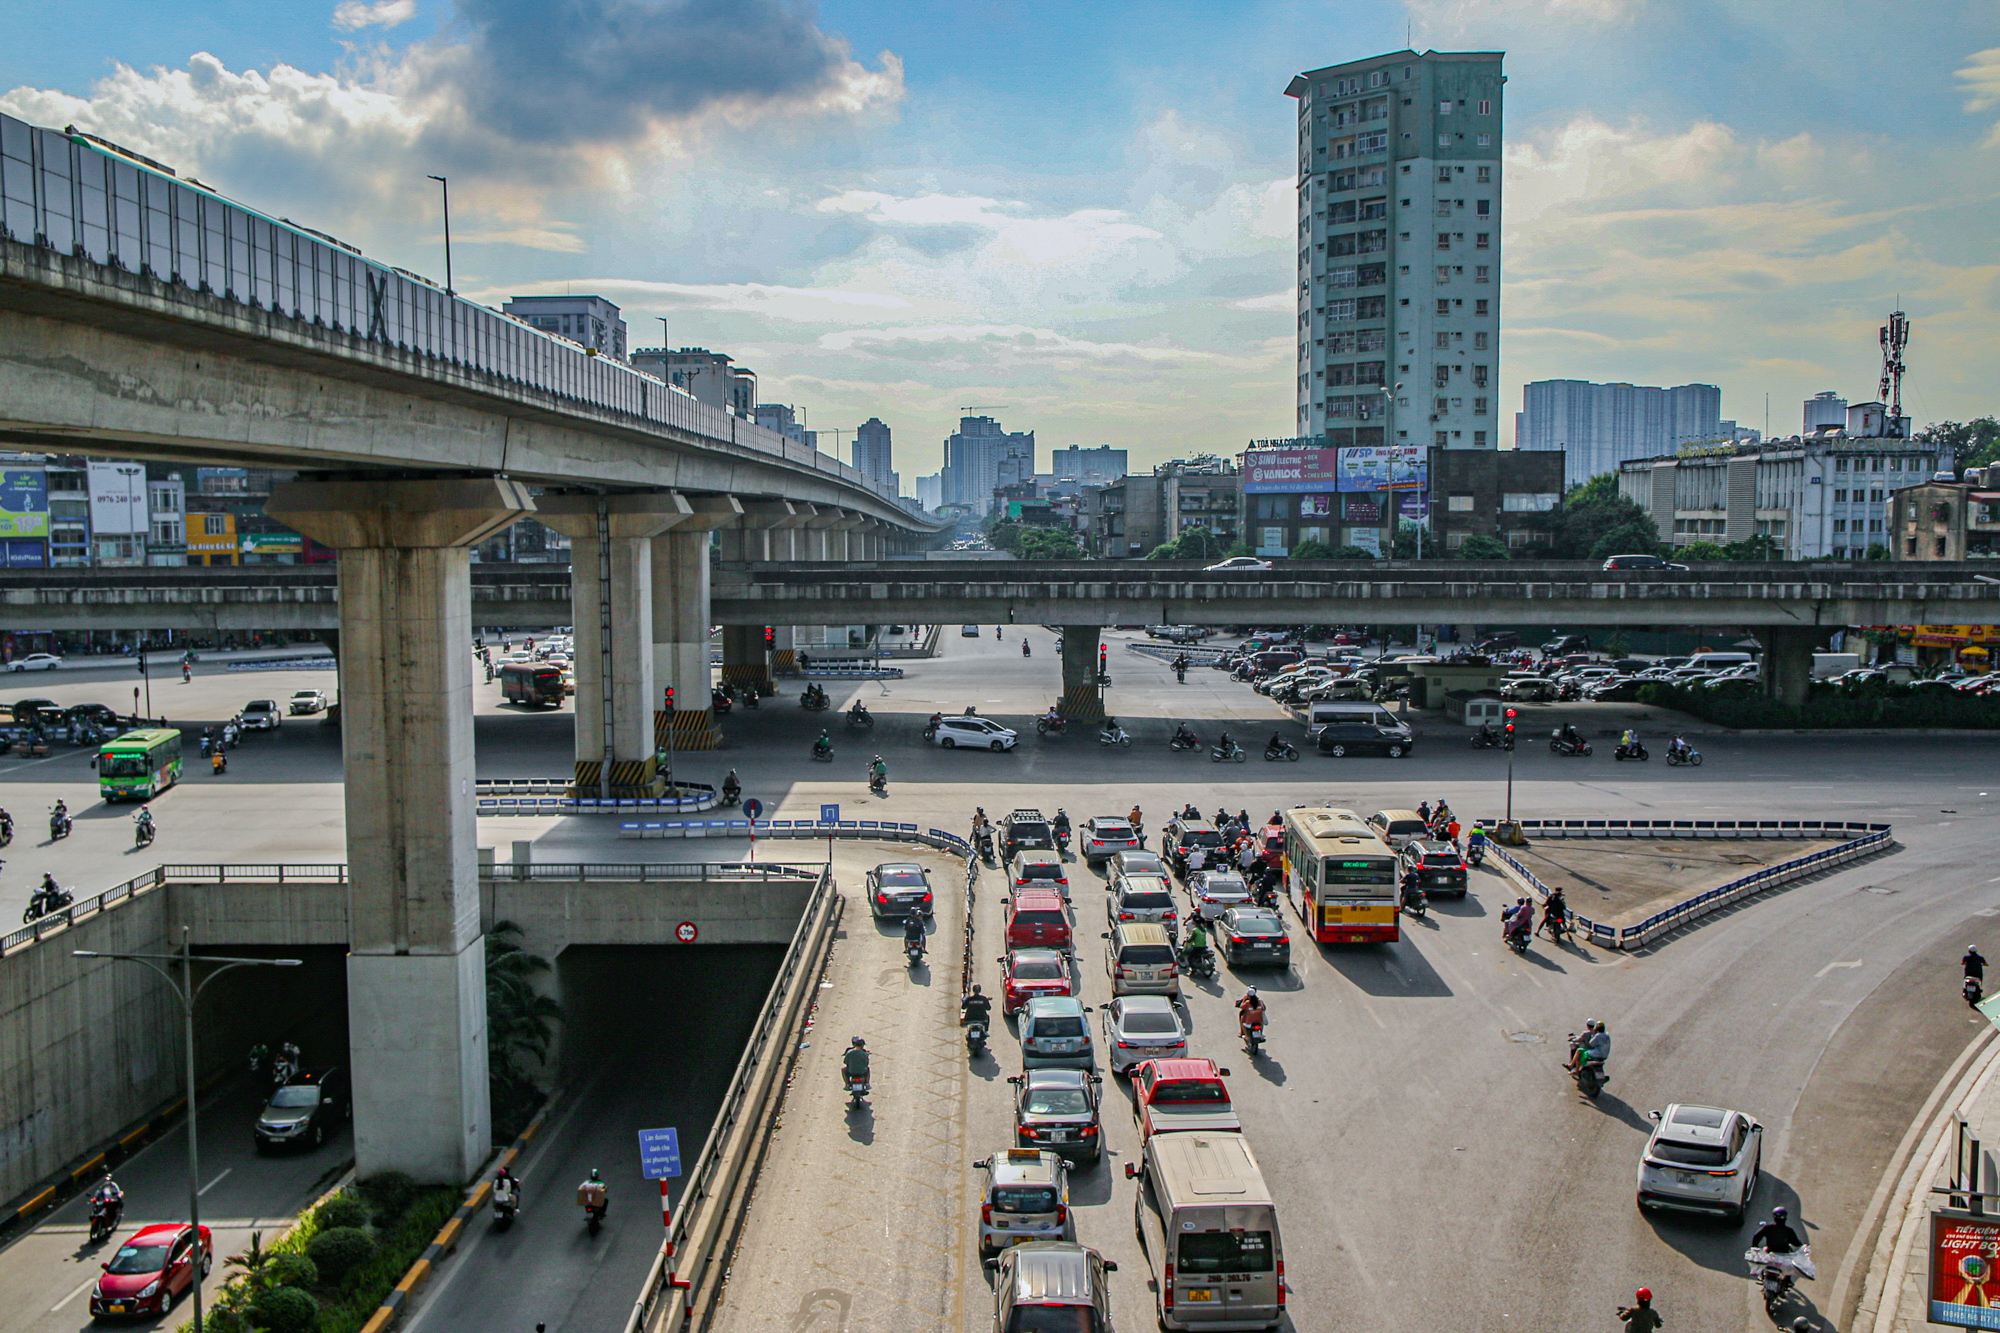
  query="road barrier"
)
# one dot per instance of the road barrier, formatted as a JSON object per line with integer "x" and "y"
{"x": 1164, "y": 652}
{"x": 863, "y": 829}
{"x": 1860, "y": 840}
{"x": 545, "y": 796}
{"x": 647, "y": 872}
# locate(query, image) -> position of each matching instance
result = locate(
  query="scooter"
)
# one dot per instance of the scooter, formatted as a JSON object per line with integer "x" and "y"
{"x": 1051, "y": 726}
{"x": 878, "y": 785}
{"x": 1633, "y": 751}
{"x": 44, "y": 903}
{"x": 975, "y": 1038}
{"x": 1184, "y": 740}
{"x": 1514, "y": 937}
{"x": 1488, "y": 739}
{"x": 1284, "y": 750}
{"x": 595, "y": 1202}
{"x": 1590, "y": 1076}
{"x": 731, "y": 794}
{"x": 1675, "y": 758}
{"x": 1253, "y": 1039}
{"x": 1558, "y": 744}
{"x": 913, "y": 952}
{"x": 1062, "y": 840}
{"x": 857, "y": 1091}
{"x": 1114, "y": 736}
{"x": 1199, "y": 966}
{"x": 104, "y": 1217}
{"x": 1475, "y": 854}
{"x": 1415, "y": 901}
{"x": 823, "y": 753}
{"x": 860, "y": 719}
{"x": 1024, "y": 649}
{"x": 1777, "y": 1273}
{"x": 1235, "y": 752}
{"x": 983, "y": 841}
{"x": 58, "y": 825}
{"x": 143, "y": 835}
{"x": 506, "y": 1203}
{"x": 813, "y": 701}
{"x": 1973, "y": 992}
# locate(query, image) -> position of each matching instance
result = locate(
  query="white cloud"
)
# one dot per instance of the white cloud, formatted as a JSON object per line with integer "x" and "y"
{"x": 353, "y": 15}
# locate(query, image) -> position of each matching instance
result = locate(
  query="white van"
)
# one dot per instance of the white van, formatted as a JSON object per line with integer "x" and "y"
{"x": 1328, "y": 710}
{"x": 1719, "y": 661}
{"x": 1210, "y": 1232}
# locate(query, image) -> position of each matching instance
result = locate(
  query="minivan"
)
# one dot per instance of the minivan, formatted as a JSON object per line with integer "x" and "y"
{"x": 1324, "y": 711}
{"x": 1397, "y": 827}
{"x": 1209, "y": 1230}
{"x": 1139, "y": 959}
{"x": 1720, "y": 661}
{"x": 1035, "y": 919}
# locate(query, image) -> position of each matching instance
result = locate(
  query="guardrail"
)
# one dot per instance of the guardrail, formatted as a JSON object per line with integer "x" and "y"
{"x": 1167, "y": 652}
{"x": 543, "y": 796}
{"x": 1867, "y": 839}
{"x": 157, "y": 877}
{"x": 862, "y": 829}
{"x": 646, "y": 872}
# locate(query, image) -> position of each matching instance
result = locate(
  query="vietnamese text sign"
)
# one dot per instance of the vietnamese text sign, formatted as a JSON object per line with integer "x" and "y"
{"x": 117, "y": 499}
{"x": 1360, "y": 508}
{"x": 1276, "y": 471}
{"x": 24, "y": 502}
{"x": 1964, "y": 1291}
{"x": 659, "y": 1153}
{"x": 1377, "y": 467}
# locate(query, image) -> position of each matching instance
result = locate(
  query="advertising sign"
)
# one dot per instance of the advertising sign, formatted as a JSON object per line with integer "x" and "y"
{"x": 24, "y": 502}
{"x": 1315, "y": 506}
{"x": 1275, "y": 471}
{"x": 1964, "y": 1289}
{"x": 1377, "y": 467}
{"x": 1951, "y": 636}
{"x": 272, "y": 543}
{"x": 1412, "y": 506}
{"x": 1360, "y": 508}
{"x": 117, "y": 499}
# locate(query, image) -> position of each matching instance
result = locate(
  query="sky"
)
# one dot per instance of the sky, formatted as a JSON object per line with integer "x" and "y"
{"x": 1079, "y": 218}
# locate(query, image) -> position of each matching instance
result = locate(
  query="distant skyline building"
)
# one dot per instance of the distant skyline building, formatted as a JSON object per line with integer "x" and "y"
{"x": 1088, "y": 467}
{"x": 1599, "y": 426}
{"x": 930, "y": 491}
{"x": 1825, "y": 408}
{"x": 981, "y": 457}
{"x": 873, "y": 454}
{"x": 589, "y": 320}
{"x": 710, "y": 376}
{"x": 1399, "y": 250}
{"x": 781, "y": 418}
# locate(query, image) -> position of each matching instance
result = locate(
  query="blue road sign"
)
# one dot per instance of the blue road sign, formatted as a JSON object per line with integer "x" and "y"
{"x": 829, "y": 814}
{"x": 659, "y": 1153}
{"x": 752, "y": 808}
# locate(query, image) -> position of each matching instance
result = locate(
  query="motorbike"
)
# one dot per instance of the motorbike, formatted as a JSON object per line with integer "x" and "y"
{"x": 1633, "y": 751}
{"x": 1062, "y": 840}
{"x": 1973, "y": 991}
{"x": 983, "y": 841}
{"x": 58, "y": 825}
{"x": 860, "y": 719}
{"x": 231, "y": 735}
{"x": 1415, "y": 901}
{"x": 506, "y": 1203}
{"x": 1235, "y": 752}
{"x": 1286, "y": 751}
{"x": 823, "y": 753}
{"x": 1675, "y": 758}
{"x": 1184, "y": 740}
{"x": 813, "y": 701}
{"x": 1253, "y": 1039}
{"x": 731, "y": 794}
{"x": 1514, "y": 937}
{"x": 1200, "y": 965}
{"x": 44, "y": 903}
{"x": 1024, "y": 649}
{"x": 1051, "y": 726}
{"x": 878, "y": 785}
{"x": 975, "y": 1038}
{"x": 6, "y": 830}
{"x": 1487, "y": 739}
{"x": 1559, "y": 744}
{"x": 1558, "y": 927}
{"x": 104, "y": 1216}
{"x": 1114, "y": 736}
{"x": 1778, "y": 1273}
{"x": 143, "y": 835}
{"x": 857, "y": 1091}
{"x": 1590, "y": 1077}
{"x": 1180, "y": 674}
{"x": 1265, "y": 895}
{"x": 913, "y": 952}
{"x": 1475, "y": 854}
{"x": 595, "y": 1202}
{"x": 207, "y": 746}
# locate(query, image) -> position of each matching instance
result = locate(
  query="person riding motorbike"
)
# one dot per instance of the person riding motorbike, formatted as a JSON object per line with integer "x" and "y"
{"x": 1062, "y": 824}
{"x": 913, "y": 931}
{"x": 824, "y": 745}
{"x": 1641, "y": 1317}
{"x": 1519, "y": 920}
{"x": 1110, "y": 730}
{"x": 143, "y": 821}
{"x": 1629, "y": 741}
{"x": 48, "y": 895}
{"x": 59, "y": 812}
{"x": 1594, "y": 1049}
{"x": 1475, "y": 840}
{"x": 1184, "y": 736}
{"x": 1555, "y": 914}
{"x": 1024, "y": 648}
{"x": 1678, "y": 747}
{"x": 858, "y": 712}
{"x": 1974, "y": 963}
{"x": 854, "y": 1061}
{"x": 1249, "y": 1012}
{"x": 1196, "y": 946}
{"x": 878, "y": 773}
{"x": 1052, "y": 718}
{"x": 731, "y": 788}
{"x": 1135, "y": 819}
{"x": 1412, "y": 891}
{"x": 1276, "y": 746}
{"x": 593, "y": 1195}
{"x": 1569, "y": 736}
{"x": 6, "y": 828}
{"x": 107, "y": 1203}
{"x": 1776, "y": 1235}
{"x": 976, "y": 1008}
{"x": 506, "y": 1190}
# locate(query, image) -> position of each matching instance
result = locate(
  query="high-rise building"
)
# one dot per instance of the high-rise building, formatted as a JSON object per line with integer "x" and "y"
{"x": 872, "y": 454}
{"x": 709, "y": 376}
{"x": 781, "y": 418}
{"x": 1599, "y": 426}
{"x": 1399, "y": 250}
{"x": 930, "y": 491}
{"x": 589, "y": 320}
{"x": 1087, "y": 467}
{"x": 982, "y": 457}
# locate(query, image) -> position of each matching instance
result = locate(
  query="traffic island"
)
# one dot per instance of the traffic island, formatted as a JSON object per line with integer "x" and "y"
{"x": 1620, "y": 884}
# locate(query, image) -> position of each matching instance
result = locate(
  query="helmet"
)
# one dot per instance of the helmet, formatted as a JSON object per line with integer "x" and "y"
{"x": 1250, "y": 994}
{"x": 858, "y": 1042}
{"x": 1778, "y": 1214}
{"x": 593, "y": 1173}
{"x": 1643, "y": 1295}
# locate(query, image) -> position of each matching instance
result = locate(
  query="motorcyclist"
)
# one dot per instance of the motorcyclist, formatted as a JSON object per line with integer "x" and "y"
{"x": 144, "y": 820}
{"x": 1052, "y": 717}
{"x": 6, "y": 827}
{"x": 593, "y": 1192}
{"x": 1412, "y": 891}
{"x": 1678, "y": 746}
{"x": 47, "y": 894}
{"x": 854, "y": 1061}
{"x": 1640, "y": 1317}
{"x": 1974, "y": 963}
{"x": 1520, "y": 919}
{"x": 860, "y": 710}
{"x": 1249, "y": 1011}
{"x": 1277, "y": 745}
{"x": 1629, "y": 741}
{"x": 1136, "y": 820}
{"x": 1224, "y": 745}
{"x": 878, "y": 772}
{"x": 824, "y": 745}
{"x": 1062, "y": 825}
{"x": 1197, "y": 942}
{"x": 109, "y": 1195}
{"x": 980, "y": 824}
{"x": 1024, "y": 648}
{"x": 1595, "y": 1048}
{"x": 1475, "y": 839}
{"x": 1776, "y": 1235}
{"x": 506, "y": 1188}
{"x": 976, "y": 1008}
{"x": 1567, "y": 734}
{"x": 1109, "y": 730}
{"x": 731, "y": 788}
{"x": 60, "y": 811}
{"x": 1184, "y": 735}
{"x": 913, "y": 930}
{"x": 217, "y": 762}
{"x": 1555, "y": 914}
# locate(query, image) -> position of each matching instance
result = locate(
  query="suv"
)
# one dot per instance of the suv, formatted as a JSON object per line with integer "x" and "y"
{"x": 1042, "y": 870}
{"x": 1023, "y": 831}
{"x": 1183, "y": 833}
{"x": 974, "y": 732}
{"x": 1440, "y": 869}
{"x": 1051, "y": 1275}
{"x": 1053, "y": 1032}
{"x": 262, "y": 715}
{"x": 1141, "y": 898}
{"x": 1026, "y": 1198}
{"x": 899, "y": 889}
{"x": 304, "y": 1111}
{"x": 1104, "y": 837}
{"x": 1036, "y": 919}
{"x": 1344, "y": 738}
{"x": 1562, "y": 644}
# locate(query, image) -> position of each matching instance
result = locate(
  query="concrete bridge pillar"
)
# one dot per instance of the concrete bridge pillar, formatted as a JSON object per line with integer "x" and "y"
{"x": 768, "y": 529}
{"x": 820, "y": 533}
{"x": 1082, "y": 698}
{"x": 416, "y": 967}
{"x": 611, "y": 591}
{"x": 680, "y": 623}
{"x": 744, "y": 658}
{"x": 1788, "y": 654}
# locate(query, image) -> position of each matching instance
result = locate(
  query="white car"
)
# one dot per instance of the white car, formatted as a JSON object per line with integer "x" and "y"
{"x": 1214, "y": 892}
{"x": 1237, "y": 562}
{"x": 35, "y": 662}
{"x": 976, "y": 732}
{"x": 1701, "y": 1159}
{"x": 307, "y": 702}
{"x": 261, "y": 715}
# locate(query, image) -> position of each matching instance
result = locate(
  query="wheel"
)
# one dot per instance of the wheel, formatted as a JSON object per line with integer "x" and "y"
{"x": 207, "y": 1261}
{"x": 1554, "y": 748}
{"x": 1395, "y": 752}
{"x": 1125, "y": 741}
{"x": 1292, "y": 756}
{"x": 1338, "y": 752}
{"x": 319, "y": 1135}
{"x": 947, "y": 744}
{"x": 1695, "y": 759}
{"x": 1242, "y": 755}
{"x": 1585, "y": 751}
{"x": 998, "y": 746}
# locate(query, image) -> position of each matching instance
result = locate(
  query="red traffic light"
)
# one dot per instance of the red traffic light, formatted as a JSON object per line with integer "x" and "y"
{"x": 670, "y": 698}
{"x": 770, "y": 636}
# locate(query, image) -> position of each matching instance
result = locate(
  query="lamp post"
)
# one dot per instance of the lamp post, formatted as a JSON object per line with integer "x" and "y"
{"x": 450, "y": 292}
{"x": 187, "y": 993}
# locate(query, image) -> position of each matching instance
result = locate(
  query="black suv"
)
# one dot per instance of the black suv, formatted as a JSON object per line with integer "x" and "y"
{"x": 1183, "y": 833}
{"x": 307, "y": 1111}
{"x": 1440, "y": 869}
{"x": 1024, "y": 831}
{"x": 1343, "y": 738}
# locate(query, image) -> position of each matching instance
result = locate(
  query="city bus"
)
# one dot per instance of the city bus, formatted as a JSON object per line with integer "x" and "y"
{"x": 139, "y": 765}
{"x": 537, "y": 684}
{"x": 1340, "y": 877}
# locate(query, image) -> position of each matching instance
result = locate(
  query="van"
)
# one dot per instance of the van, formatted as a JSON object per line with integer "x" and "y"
{"x": 1139, "y": 959}
{"x": 1209, "y": 1230}
{"x": 1323, "y": 711}
{"x": 1035, "y": 919}
{"x": 1397, "y": 827}
{"x": 1720, "y": 661}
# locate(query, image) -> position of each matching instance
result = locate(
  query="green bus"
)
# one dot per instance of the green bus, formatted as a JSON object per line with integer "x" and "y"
{"x": 139, "y": 765}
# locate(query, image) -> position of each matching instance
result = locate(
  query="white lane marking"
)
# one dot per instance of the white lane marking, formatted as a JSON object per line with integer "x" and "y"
{"x": 88, "y": 1283}
{"x": 1852, "y": 962}
{"x": 213, "y": 1183}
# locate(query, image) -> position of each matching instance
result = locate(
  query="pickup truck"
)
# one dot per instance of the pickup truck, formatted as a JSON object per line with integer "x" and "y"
{"x": 1173, "y": 1096}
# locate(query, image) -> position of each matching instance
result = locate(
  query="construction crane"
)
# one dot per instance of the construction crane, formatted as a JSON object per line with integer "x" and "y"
{"x": 1895, "y": 336}
{"x": 984, "y": 407}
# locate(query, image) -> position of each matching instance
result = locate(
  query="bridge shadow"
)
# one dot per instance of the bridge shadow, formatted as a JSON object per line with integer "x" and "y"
{"x": 1386, "y": 970}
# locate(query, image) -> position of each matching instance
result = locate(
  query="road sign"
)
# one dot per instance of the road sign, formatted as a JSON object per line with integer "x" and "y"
{"x": 752, "y": 808}
{"x": 659, "y": 1153}
{"x": 829, "y": 814}
{"x": 686, "y": 933}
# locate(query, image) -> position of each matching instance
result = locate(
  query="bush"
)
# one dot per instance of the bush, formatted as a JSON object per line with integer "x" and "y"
{"x": 342, "y": 1210}
{"x": 284, "y": 1310}
{"x": 1827, "y": 706}
{"x": 338, "y": 1249}
{"x": 290, "y": 1270}
{"x": 389, "y": 1194}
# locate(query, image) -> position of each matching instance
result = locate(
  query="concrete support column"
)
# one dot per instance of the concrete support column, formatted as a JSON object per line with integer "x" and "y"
{"x": 1082, "y": 699}
{"x": 611, "y": 592}
{"x": 680, "y": 624}
{"x": 774, "y": 522}
{"x": 416, "y": 967}
{"x": 1788, "y": 654}
{"x": 744, "y": 659}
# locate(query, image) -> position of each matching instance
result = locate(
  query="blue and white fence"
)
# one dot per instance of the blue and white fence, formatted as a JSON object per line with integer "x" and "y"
{"x": 878, "y": 830}
{"x": 544, "y": 796}
{"x": 1167, "y": 652}
{"x": 1860, "y": 840}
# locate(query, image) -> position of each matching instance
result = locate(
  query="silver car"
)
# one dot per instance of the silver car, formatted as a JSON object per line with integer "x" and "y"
{"x": 1147, "y": 898}
{"x": 1214, "y": 892}
{"x": 1142, "y": 1027}
{"x": 1701, "y": 1159}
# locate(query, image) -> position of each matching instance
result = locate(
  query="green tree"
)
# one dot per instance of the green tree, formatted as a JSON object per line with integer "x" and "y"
{"x": 1758, "y": 546}
{"x": 520, "y": 1022}
{"x": 1194, "y": 544}
{"x": 1003, "y": 534}
{"x": 1877, "y": 551}
{"x": 1312, "y": 549}
{"x": 1412, "y": 543}
{"x": 1603, "y": 486}
{"x": 1351, "y": 553}
{"x": 1481, "y": 546}
{"x": 1039, "y": 543}
{"x": 1974, "y": 443}
{"x": 1702, "y": 550}
{"x": 1596, "y": 521}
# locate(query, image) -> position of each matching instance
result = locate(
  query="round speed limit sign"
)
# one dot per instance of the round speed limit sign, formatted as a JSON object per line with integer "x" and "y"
{"x": 685, "y": 932}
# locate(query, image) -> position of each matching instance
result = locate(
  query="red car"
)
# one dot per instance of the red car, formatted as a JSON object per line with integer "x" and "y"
{"x": 1035, "y": 917}
{"x": 1271, "y": 845}
{"x": 151, "y": 1270}
{"x": 1032, "y": 972}
{"x": 1182, "y": 1095}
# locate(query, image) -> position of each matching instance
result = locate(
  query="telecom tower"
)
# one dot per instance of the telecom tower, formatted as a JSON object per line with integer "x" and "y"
{"x": 1895, "y": 337}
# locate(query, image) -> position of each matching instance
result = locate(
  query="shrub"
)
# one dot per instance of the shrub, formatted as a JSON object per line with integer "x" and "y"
{"x": 342, "y": 1210}
{"x": 389, "y": 1194}
{"x": 338, "y": 1249}
{"x": 284, "y": 1310}
{"x": 291, "y": 1270}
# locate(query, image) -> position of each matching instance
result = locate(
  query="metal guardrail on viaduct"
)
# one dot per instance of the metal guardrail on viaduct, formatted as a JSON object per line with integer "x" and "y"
{"x": 1085, "y": 593}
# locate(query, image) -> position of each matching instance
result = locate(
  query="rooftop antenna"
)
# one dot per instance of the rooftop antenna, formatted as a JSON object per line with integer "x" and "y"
{"x": 1894, "y": 336}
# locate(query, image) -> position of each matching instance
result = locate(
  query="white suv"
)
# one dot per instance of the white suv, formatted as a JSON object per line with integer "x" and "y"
{"x": 977, "y": 732}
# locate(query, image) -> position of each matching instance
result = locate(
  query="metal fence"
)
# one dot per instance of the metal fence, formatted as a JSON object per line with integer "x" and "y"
{"x": 545, "y": 796}
{"x": 648, "y": 872}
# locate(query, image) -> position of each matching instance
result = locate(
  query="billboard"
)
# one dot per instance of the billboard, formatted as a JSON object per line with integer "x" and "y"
{"x": 1964, "y": 1288}
{"x": 117, "y": 499}
{"x": 1276, "y": 471}
{"x": 24, "y": 502}
{"x": 1376, "y": 467}
{"x": 1315, "y": 506}
{"x": 1360, "y": 508}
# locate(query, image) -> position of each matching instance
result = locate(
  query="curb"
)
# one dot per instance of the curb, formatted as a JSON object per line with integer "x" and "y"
{"x": 447, "y": 1237}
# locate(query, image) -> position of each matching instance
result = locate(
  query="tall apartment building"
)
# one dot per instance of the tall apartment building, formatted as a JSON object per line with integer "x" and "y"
{"x": 709, "y": 376}
{"x": 1087, "y": 467}
{"x": 782, "y": 418}
{"x": 589, "y": 320}
{"x": 872, "y": 456}
{"x": 981, "y": 457}
{"x": 1600, "y": 426}
{"x": 1399, "y": 250}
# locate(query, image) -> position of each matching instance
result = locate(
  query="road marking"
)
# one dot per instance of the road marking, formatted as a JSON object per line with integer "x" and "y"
{"x": 1852, "y": 962}
{"x": 88, "y": 1283}
{"x": 213, "y": 1183}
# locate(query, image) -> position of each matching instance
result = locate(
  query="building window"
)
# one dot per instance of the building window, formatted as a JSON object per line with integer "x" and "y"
{"x": 1486, "y": 175}
{"x": 1874, "y": 525}
{"x": 1459, "y": 504}
{"x": 1485, "y": 107}
{"x": 1444, "y": 107}
{"x": 1840, "y": 465}
{"x": 1878, "y": 465}
{"x": 1444, "y": 175}
{"x": 1479, "y": 341}
{"x": 1479, "y": 377}
{"x": 1371, "y": 307}
{"x": 214, "y": 525}
{"x": 1442, "y": 375}
{"x": 1528, "y": 502}
{"x": 1479, "y": 407}
{"x": 1342, "y": 277}
{"x": 1340, "y": 310}
{"x": 1442, "y": 436}
{"x": 1340, "y": 374}
{"x": 1840, "y": 497}
{"x": 1840, "y": 525}
{"x": 1479, "y": 307}
{"x": 1444, "y": 273}
{"x": 1875, "y": 496}
{"x": 1374, "y": 208}
{"x": 1479, "y": 439}
{"x": 1443, "y": 339}
{"x": 1444, "y": 307}
{"x": 1483, "y": 241}
{"x": 1484, "y": 208}
{"x": 1485, "y": 140}
{"x": 1444, "y": 240}
{"x": 1940, "y": 548}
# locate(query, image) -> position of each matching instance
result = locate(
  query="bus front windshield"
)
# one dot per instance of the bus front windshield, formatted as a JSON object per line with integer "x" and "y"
{"x": 111, "y": 764}
{"x": 1348, "y": 877}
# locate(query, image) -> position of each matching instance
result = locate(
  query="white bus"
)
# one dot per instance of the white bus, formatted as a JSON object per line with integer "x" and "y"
{"x": 1340, "y": 876}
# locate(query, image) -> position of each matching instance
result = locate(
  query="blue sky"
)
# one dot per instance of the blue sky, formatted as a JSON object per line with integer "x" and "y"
{"x": 1084, "y": 212}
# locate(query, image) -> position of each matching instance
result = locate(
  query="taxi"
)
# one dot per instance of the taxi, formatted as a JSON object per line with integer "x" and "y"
{"x": 1026, "y": 1197}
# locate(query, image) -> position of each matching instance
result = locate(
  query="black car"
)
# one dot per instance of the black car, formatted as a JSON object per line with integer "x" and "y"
{"x": 304, "y": 1112}
{"x": 1056, "y": 1110}
{"x": 98, "y": 715}
{"x": 1253, "y": 936}
{"x": 899, "y": 889}
{"x": 1024, "y": 831}
{"x": 1341, "y": 739}
{"x": 1620, "y": 690}
{"x": 1440, "y": 869}
{"x": 1183, "y": 834}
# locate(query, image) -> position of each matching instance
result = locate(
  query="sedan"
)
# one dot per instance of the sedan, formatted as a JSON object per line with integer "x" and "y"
{"x": 1027, "y": 973}
{"x": 1214, "y": 892}
{"x": 900, "y": 889}
{"x": 1056, "y": 1110}
{"x": 1701, "y": 1159}
{"x": 968, "y": 631}
{"x": 35, "y": 662}
{"x": 304, "y": 1112}
{"x": 1055, "y": 1032}
{"x": 150, "y": 1271}
{"x": 1104, "y": 837}
{"x": 1142, "y": 1027}
{"x": 1252, "y": 936}
{"x": 307, "y": 702}
{"x": 261, "y": 715}
{"x": 1237, "y": 562}
{"x": 975, "y": 732}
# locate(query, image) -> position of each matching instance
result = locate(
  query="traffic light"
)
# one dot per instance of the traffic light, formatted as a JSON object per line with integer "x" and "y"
{"x": 770, "y": 637}
{"x": 1510, "y": 724}
{"x": 670, "y": 698}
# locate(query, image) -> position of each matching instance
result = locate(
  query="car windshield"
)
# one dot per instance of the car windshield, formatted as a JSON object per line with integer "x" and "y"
{"x": 900, "y": 877}
{"x": 1226, "y": 1252}
{"x": 1150, "y": 1025}
{"x": 1689, "y": 1154}
{"x": 1258, "y": 925}
{"x": 295, "y": 1097}
{"x": 1050, "y": 870}
{"x": 1038, "y": 970}
{"x": 1441, "y": 859}
{"x": 1059, "y": 1025}
{"x": 1057, "y": 1101}
{"x": 306, "y": 694}
{"x": 1052, "y": 917}
{"x": 1188, "y": 1090}
{"x": 1147, "y": 955}
{"x": 1116, "y": 832}
{"x": 1201, "y": 837}
{"x": 138, "y": 1259}
{"x": 1146, "y": 902}
{"x": 1053, "y": 1319}
{"x": 1217, "y": 886}
{"x": 1024, "y": 1199}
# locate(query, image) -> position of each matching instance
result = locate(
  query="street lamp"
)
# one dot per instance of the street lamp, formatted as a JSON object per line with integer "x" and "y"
{"x": 187, "y": 994}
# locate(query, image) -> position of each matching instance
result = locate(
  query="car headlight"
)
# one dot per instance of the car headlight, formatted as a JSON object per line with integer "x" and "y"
{"x": 150, "y": 1289}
